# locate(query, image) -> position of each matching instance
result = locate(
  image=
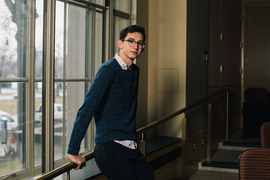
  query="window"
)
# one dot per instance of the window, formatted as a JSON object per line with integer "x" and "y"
{"x": 79, "y": 47}
{"x": 122, "y": 5}
{"x": 121, "y": 19}
{"x": 13, "y": 80}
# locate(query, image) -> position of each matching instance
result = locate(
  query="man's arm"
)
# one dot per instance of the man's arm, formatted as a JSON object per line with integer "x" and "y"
{"x": 85, "y": 114}
{"x": 86, "y": 111}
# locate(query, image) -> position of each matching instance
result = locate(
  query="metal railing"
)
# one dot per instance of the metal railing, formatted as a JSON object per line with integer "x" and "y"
{"x": 69, "y": 166}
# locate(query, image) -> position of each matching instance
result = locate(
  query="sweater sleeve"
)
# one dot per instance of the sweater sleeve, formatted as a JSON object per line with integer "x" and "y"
{"x": 102, "y": 81}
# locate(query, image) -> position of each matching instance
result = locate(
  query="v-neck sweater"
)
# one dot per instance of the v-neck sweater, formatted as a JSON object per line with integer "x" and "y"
{"x": 112, "y": 100}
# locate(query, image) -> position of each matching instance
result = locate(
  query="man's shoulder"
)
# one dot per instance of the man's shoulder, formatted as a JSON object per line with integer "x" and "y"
{"x": 108, "y": 67}
{"x": 110, "y": 62}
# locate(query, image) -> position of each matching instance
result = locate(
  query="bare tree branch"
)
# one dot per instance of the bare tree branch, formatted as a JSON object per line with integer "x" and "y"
{"x": 12, "y": 9}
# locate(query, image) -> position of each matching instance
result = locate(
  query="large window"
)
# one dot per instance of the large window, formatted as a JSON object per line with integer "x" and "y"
{"x": 80, "y": 42}
{"x": 12, "y": 86}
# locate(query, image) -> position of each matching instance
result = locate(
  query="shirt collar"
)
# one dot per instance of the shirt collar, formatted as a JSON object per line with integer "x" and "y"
{"x": 121, "y": 62}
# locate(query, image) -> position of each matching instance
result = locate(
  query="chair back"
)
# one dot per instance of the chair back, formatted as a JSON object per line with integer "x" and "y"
{"x": 265, "y": 135}
{"x": 254, "y": 164}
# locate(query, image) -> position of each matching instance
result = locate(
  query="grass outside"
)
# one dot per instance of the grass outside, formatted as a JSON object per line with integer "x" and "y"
{"x": 10, "y": 105}
{"x": 9, "y": 166}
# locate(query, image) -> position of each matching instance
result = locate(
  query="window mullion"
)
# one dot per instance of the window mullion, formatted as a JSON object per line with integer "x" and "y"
{"x": 109, "y": 30}
{"x": 48, "y": 87}
{"x": 64, "y": 141}
{"x": 91, "y": 70}
{"x": 30, "y": 85}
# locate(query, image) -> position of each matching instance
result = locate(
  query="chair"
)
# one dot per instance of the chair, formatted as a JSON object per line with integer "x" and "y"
{"x": 254, "y": 164}
{"x": 265, "y": 135}
{"x": 256, "y": 95}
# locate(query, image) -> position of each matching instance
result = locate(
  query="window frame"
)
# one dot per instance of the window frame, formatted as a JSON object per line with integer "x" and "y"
{"x": 48, "y": 77}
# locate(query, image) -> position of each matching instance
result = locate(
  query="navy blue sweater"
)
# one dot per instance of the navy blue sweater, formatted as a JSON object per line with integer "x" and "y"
{"x": 112, "y": 100}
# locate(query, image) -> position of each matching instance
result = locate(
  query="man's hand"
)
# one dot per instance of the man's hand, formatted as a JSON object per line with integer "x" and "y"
{"x": 79, "y": 160}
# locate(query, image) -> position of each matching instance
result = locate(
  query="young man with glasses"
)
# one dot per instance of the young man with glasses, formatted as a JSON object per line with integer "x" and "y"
{"x": 112, "y": 100}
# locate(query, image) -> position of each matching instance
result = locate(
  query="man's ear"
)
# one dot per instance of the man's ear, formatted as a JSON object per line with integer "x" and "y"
{"x": 119, "y": 43}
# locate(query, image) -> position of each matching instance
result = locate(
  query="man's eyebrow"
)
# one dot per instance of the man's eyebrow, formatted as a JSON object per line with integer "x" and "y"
{"x": 134, "y": 39}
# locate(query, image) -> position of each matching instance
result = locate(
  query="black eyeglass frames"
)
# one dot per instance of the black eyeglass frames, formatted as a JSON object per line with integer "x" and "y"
{"x": 132, "y": 42}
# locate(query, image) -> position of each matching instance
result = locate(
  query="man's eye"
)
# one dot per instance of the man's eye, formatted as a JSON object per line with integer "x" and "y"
{"x": 131, "y": 40}
{"x": 140, "y": 43}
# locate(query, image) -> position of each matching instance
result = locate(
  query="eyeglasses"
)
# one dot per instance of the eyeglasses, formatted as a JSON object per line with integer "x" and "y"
{"x": 132, "y": 42}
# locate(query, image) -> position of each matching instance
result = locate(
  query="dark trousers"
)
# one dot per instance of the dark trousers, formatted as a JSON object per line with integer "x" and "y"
{"x": 118, "y": 162}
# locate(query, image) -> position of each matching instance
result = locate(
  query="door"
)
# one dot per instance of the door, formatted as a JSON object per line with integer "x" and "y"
{"x": 257, "y": 47}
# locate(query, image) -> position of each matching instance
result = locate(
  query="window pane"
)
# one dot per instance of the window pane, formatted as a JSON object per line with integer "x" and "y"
{"x": 75, "y": 96}
{"x": 122, "y": 5}
{"x": 12, "y": 126}
{"x": 119, "y": 24}
{"x": 59, "y": 122}
{"x": 76, "y": 31}
{"x": 8, "y": 43}
{"x": 12, "y": 94}
{"x": 81, "y": 61}
{"x": 38, "y": 39}
{"x": 38, "y": 85}
{"x": 65, "y": 111}
{"x": 38, "y": 123}
{"x": 59, "y": 39}
{"x": 98, "y": 42}
{"x": 100, "y": 2}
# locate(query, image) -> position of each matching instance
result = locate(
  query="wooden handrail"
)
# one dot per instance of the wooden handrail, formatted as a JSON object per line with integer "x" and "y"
{"x": 65, "y": 168}
{"x": 69, "y": 166}
{"x": 157, "y": 122}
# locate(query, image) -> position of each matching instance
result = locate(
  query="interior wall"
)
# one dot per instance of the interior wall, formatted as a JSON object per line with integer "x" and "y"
{"x": 142, "y": 61}
{"x": 197, "y": 64}
{"x": 163, "y": 85}
{"x": 225, "y": 64}
{"x": 166, "y": 63}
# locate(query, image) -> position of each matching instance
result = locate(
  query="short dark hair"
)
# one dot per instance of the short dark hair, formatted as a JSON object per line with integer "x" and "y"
{"x": 132, "y": 29}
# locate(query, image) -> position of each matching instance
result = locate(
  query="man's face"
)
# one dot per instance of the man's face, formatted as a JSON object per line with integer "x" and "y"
{"x": 131, "y": 47}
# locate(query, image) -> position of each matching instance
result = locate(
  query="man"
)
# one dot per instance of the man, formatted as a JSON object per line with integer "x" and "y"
{"x": 112, "y": 100}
